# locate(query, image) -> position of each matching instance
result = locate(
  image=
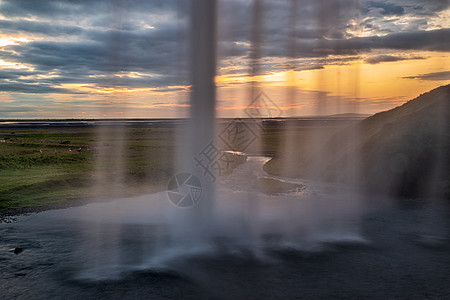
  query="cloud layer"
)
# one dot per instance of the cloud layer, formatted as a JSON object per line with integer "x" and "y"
{"x": 83, "y": 47}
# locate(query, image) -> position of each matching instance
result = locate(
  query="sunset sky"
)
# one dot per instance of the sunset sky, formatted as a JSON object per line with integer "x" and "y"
{"x": 102, "y": 58}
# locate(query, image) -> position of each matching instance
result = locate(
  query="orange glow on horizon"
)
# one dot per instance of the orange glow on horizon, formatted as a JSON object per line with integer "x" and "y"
{"x": 383, "y": 83}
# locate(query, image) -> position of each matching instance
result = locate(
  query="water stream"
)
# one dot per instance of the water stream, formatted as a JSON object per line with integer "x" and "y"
{"x": 321, "y": 241}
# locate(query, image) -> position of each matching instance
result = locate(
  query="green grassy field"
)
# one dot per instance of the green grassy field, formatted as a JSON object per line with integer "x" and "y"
{"x": 60, "y": 166}
{"x": 41, "y": 167}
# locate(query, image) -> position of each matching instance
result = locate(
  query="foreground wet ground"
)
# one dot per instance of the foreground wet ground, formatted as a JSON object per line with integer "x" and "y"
{"x": 318, "y": 243}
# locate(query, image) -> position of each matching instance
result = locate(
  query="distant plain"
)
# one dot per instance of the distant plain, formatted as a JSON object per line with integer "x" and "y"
{"x": 56, "y": 163}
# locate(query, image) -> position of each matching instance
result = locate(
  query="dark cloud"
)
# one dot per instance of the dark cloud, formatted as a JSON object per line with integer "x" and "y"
{"x": 107, "y": 52}
{"x": 111, "y": 41}
{"x": 32, "y": 88}
{"x": 426, "y": 8}
{"x": 432, "y": 40}
{"x": 43, "y": 28}
{"x": 59, "y": 9}
{"x": 387, "y": 9}
{"x": 91, "y": 41}
{"x": 387, "y": 58}
{"x": 14, "y": 73}
{"x": 445, "y": 75}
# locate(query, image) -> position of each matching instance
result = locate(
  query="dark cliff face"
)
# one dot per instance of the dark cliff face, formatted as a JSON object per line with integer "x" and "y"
{"x": 404, "y": 151}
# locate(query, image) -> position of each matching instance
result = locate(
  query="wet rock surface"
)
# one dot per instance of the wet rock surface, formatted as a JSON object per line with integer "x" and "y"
{"x": 17, "y": 250}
